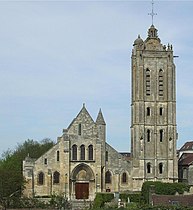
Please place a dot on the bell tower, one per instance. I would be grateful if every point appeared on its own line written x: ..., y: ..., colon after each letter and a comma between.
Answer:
x: 153, y: 108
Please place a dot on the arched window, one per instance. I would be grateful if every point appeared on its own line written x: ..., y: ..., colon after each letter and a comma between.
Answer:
x: 148, y: 82
x: 56, y: 178
x: 124, y: 177
x: 74, y: 152
x: 82, y: 152
x: 160, y: 168
x: 108, y: 177
x: 90, y: 152
x: 161, y: 135
x: 58, y: 156
x: 41, y: 178
x: 148, y: 111
x: 148, y: 168
x: 161, y: 82
x: 148, y: 135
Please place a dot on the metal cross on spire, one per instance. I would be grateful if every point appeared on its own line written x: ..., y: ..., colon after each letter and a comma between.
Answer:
x: 152, y: 12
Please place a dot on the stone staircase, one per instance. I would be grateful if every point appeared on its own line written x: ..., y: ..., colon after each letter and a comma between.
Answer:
x: 80, y: 204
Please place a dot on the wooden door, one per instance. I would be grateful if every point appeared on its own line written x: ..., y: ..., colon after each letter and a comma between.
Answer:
x: 82, y: 190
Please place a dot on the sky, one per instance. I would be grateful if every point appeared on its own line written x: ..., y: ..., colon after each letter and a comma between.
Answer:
x: 57, y: 55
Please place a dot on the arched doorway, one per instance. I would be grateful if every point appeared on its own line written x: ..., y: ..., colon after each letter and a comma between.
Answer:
x: 82, y: 178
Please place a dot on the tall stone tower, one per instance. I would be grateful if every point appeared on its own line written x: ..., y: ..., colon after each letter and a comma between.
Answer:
x: 153, y: 107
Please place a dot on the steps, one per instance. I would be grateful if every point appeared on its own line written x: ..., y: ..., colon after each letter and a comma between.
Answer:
x: 80, y: 204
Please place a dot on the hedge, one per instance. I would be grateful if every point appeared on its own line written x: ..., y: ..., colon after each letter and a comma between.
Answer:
x: 162, y: 189
x: 133, y: 197
x: 101, y: 198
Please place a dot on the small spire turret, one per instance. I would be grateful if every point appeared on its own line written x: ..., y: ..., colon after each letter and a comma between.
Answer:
x: 152, y: 32
x: 100, y: 119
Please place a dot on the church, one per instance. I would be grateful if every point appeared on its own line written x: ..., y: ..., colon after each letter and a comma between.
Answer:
x: 82, y: 163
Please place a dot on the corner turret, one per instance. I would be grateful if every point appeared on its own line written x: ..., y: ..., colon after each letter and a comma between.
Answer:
x: 100, y: 119
x: 138, y: 41
x: 101, y: 126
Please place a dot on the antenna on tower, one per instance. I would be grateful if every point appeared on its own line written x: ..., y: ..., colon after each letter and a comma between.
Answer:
x: 152, y: 11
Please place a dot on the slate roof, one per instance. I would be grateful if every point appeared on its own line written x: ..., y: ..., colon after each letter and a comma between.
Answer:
x: 186, y: 159
x: 187, y: 146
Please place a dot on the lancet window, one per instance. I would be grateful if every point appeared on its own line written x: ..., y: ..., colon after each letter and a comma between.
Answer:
x: 56, y: 177
x: 90, y: 152
x: 108, y: 177
x: 41, y: 178
x: 82, y: 152
x: 74, y: 152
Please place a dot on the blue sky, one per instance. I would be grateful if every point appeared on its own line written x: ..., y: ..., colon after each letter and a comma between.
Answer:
x: 57, y: 55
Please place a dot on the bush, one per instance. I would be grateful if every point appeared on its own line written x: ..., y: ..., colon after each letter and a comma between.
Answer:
x: 133, y: 197
x: 101, y: 198
x: 24, y: 202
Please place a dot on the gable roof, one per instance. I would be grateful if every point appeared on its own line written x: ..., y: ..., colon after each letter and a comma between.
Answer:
x: 187, y: 146
x: 83, y: 110
x: 186, y: 159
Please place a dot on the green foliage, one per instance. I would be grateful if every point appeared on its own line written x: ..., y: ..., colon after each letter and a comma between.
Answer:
x: 58, y: 201
x: 133, y: 197
x: 162, y: 189
x: 147, y: 207
x: 24, y: 202
x: 101, y: 198
x: 133, y: 206
x: 11, y: 177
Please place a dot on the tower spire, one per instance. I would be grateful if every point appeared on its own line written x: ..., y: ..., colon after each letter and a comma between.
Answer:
x: 152, y: 11
x: 100, y: 119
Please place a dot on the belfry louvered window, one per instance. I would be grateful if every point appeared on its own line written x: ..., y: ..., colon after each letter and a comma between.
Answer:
x: 161, y: 83
x: 148, y: 82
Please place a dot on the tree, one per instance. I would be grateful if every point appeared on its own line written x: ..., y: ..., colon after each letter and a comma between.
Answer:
x: 11, y: 177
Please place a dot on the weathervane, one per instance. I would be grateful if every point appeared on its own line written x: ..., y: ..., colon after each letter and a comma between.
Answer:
x: 152, y: 12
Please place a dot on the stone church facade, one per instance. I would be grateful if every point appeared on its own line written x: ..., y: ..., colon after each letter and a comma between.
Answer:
x: 82, y: 163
